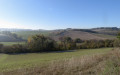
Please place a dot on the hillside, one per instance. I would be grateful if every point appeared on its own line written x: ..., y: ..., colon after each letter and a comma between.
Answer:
x: 84, y: 34
x: 107, y: 30
x: 26, y: 34
x: 9, y: 37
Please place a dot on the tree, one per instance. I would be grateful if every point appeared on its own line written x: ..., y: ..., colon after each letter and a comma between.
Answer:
x: 117, y: 41
x: 118, y: 35
x: 78, y: 40
x: 16, y: 48
x: 1, y: 45
x: 40, y: 43
x: 67, y: 43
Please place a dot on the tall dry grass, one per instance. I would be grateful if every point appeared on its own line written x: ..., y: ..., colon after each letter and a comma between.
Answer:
x: 99, y: 64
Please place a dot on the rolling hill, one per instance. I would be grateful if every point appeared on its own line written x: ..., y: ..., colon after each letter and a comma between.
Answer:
x: 6, y: 38
x: 9, y: 37
x: 84, y: 34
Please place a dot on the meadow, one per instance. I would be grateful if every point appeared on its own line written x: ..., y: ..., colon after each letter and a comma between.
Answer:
x: 26, y: 34
x: 11, y: 43
x: 9, y: 62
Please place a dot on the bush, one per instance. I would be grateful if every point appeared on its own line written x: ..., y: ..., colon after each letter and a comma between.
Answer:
x: 95, y: 44
x: 1, y: 45
x: 40, y: 43
x: 117, y: 43
x: 67, y: 43
x: 16, y: 48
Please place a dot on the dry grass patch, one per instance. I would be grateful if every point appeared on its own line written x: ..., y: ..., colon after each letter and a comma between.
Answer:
x: 99, y: 64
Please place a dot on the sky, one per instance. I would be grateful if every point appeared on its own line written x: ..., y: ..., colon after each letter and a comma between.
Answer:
x: 59, y: 14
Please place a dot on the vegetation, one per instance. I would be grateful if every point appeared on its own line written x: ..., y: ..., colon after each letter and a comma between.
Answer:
x: 83, y: 34
x: 10, y: 62
x: 16, y: 48
x: 118, y: 36
x: 41, y: 43
x: 117, y: 41
x: 95, y: 44
x: 12, y: 43
x: 66, y: 43
x: 12, y: 35
x: 78, y: 40
x: 99, y: 64
x: 6, y: 36
x: 85, y: 30
x: 64, y: 56
x: 26, y: 34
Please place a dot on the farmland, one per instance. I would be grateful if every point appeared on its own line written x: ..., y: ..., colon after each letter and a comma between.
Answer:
x: 59, y: 37
x: 26, y: 34
x: 11, y: 43
x: 18, y: 61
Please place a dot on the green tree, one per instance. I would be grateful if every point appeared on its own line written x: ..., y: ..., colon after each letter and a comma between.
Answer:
x: 67, y: 43
x: 78, y: 40
x: 118, y: 35
x: 117, y: 41
x: 40, y: 43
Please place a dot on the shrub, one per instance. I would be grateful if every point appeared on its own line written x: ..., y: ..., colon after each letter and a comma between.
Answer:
x: 16, y: 48
x: 67, y: 43
x: 39, y: 43
x: 117, y: 43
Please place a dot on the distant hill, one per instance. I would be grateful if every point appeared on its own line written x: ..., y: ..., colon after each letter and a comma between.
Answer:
x: 107, y: 30
x: 26, y: 34
x: 84, y: 34
x: 6, y: 36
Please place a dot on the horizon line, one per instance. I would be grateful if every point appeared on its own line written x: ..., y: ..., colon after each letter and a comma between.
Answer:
x: 56, y: 28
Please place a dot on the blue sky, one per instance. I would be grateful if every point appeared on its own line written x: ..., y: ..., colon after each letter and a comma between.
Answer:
x: 59, y: 14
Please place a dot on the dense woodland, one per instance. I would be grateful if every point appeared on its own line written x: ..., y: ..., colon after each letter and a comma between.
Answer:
x: 41, y: 43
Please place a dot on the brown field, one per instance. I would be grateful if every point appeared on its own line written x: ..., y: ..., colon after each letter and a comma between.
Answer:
x: 81, y: 34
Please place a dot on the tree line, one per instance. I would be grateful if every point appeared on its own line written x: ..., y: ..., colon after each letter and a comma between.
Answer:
x: 41, y: 43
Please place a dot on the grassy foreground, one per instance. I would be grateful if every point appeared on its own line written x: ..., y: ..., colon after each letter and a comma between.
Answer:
x: 19, y: 61
x: 96, y: 64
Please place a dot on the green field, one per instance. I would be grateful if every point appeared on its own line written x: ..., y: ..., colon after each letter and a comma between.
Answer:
x: 11, y: 62
x: 11, y: 43
x: 26, y: 34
